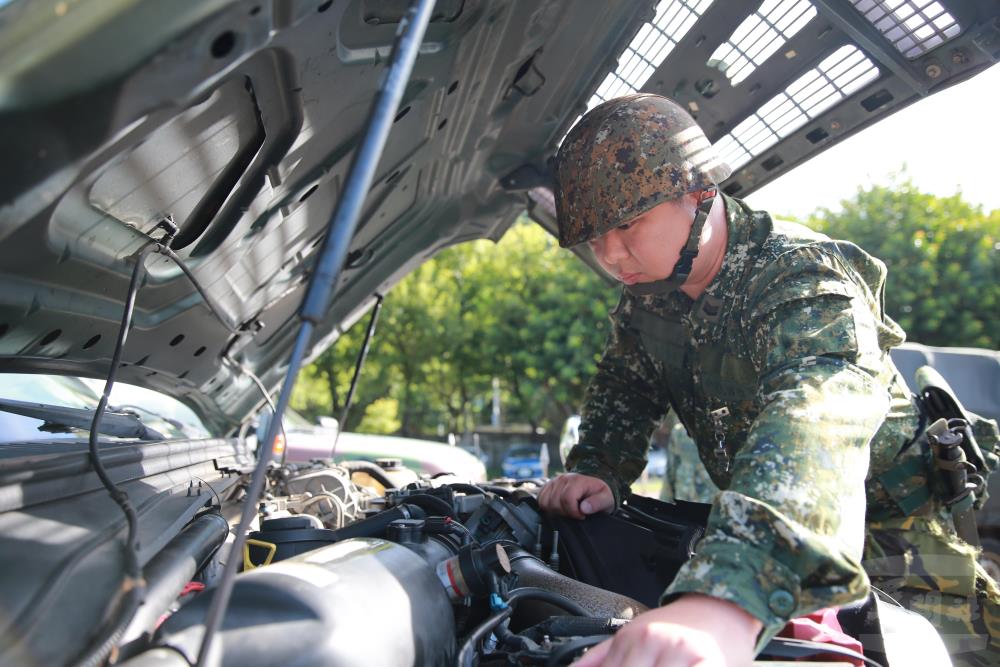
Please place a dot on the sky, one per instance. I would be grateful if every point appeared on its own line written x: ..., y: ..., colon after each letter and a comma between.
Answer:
x: 948, y: 143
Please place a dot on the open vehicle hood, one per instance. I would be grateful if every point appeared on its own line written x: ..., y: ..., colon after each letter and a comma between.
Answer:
x: 237, y: 121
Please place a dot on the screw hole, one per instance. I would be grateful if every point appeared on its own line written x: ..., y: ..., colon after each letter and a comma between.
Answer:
x: 323, y: 6
x: 51, y: 336
x: 255, y: 11
x: 444, y: 121
x: 200, y: 351
x: 92, y: 342
x: 308, y: 193
x: 453, y: 87
x: 177, y: 340
x: 402, y: 112
x: 223, y: 44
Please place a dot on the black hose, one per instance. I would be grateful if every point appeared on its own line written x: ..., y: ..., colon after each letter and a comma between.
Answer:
x: 467, y: 656
x: 532, y: 572
x: 553, y: 598
x: 375, y: 526
x: 169, y: 571
x: 432, y: 504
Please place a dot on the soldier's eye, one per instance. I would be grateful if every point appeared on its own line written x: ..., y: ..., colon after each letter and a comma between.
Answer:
x: 625, y: 226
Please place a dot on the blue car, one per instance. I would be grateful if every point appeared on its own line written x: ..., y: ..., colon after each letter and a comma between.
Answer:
x: 524, y: 462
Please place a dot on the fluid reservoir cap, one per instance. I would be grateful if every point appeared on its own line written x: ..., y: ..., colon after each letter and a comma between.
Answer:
x: 389, y: 464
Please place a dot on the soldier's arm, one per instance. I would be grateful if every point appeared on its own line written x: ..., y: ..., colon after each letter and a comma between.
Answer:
x: 786, y: 538
x: 625, y: 399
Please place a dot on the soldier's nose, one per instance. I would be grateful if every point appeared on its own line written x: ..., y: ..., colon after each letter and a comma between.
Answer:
x: 612, y: 247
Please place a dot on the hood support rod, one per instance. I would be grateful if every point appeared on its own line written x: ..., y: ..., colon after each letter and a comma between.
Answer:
x: 322, y: 282
x: 362, y: 355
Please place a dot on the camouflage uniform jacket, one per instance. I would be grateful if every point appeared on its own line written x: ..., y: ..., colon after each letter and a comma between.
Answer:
x: 784, y: 361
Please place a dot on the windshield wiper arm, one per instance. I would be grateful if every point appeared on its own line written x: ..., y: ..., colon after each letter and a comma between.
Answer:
x: 58, y: 419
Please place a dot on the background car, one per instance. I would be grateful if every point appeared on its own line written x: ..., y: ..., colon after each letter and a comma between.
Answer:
x: 307, y: 441
x: 524, y: 462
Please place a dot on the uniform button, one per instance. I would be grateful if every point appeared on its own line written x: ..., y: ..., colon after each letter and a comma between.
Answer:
x: 781, y: 602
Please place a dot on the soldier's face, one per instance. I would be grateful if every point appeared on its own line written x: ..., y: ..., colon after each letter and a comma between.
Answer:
x: 646, y: 247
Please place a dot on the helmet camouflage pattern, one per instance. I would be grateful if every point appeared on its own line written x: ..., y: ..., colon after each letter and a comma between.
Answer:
x: 626, y: 156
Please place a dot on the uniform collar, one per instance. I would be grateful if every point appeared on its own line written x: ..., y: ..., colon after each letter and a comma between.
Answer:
x: 747, y: 230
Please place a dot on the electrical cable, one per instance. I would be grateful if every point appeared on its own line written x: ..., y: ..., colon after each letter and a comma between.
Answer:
x: 133, y: 586
x: 467, y: 655
x: 267, y: 399
x: 209, y: 301
x: 786, y: 647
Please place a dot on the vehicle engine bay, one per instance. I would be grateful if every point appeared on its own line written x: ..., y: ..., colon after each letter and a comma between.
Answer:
x: 346, y: 564
x: 462, y: 574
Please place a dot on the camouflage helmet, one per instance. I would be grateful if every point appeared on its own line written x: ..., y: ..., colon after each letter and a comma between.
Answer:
x: 626, y: 156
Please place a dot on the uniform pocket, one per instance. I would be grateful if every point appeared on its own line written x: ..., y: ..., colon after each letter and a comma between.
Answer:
x: 727, y: 376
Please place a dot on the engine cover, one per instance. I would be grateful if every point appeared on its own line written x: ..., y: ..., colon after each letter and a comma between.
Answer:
x: 358, y: 602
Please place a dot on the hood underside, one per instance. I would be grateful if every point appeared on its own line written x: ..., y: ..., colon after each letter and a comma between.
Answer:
x: 236, y: 121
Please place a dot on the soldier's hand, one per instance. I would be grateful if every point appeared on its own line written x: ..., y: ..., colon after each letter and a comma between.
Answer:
x: 693, y: 631
x: 575, y: 495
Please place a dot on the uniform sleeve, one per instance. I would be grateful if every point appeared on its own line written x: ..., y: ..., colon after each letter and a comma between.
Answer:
x: 623, y: 404
x: 786, y: 538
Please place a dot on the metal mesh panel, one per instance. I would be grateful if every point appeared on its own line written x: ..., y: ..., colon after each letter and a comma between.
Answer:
x: 650, y: 47
x: 840, y: 74
x: 914, y: 27
x: 759, y: 36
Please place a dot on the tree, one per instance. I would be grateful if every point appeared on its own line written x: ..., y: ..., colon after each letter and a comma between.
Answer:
x: 522, y: 310
x: 943, y: 256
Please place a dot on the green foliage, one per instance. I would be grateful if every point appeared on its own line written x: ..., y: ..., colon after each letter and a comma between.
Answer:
x: 381, y: 416
x: 943, y: 256
x: 522, y: 311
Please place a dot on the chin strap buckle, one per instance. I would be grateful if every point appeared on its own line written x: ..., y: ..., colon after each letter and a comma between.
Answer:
x: 682, y: 269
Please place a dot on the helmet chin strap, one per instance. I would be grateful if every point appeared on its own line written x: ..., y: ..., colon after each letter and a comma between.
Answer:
x: 682, y: 269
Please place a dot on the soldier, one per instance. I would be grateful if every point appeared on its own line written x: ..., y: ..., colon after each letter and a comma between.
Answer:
x: 771, y: 344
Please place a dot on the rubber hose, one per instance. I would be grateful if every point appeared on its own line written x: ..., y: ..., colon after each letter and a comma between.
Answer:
x: 598, y: 602
x: 556, y: 599
x: 430, y: 504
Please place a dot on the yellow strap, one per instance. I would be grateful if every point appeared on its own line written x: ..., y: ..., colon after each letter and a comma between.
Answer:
x: 249, y: 564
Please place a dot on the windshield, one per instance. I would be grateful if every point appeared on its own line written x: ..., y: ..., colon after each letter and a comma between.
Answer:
x: 157, y: 411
